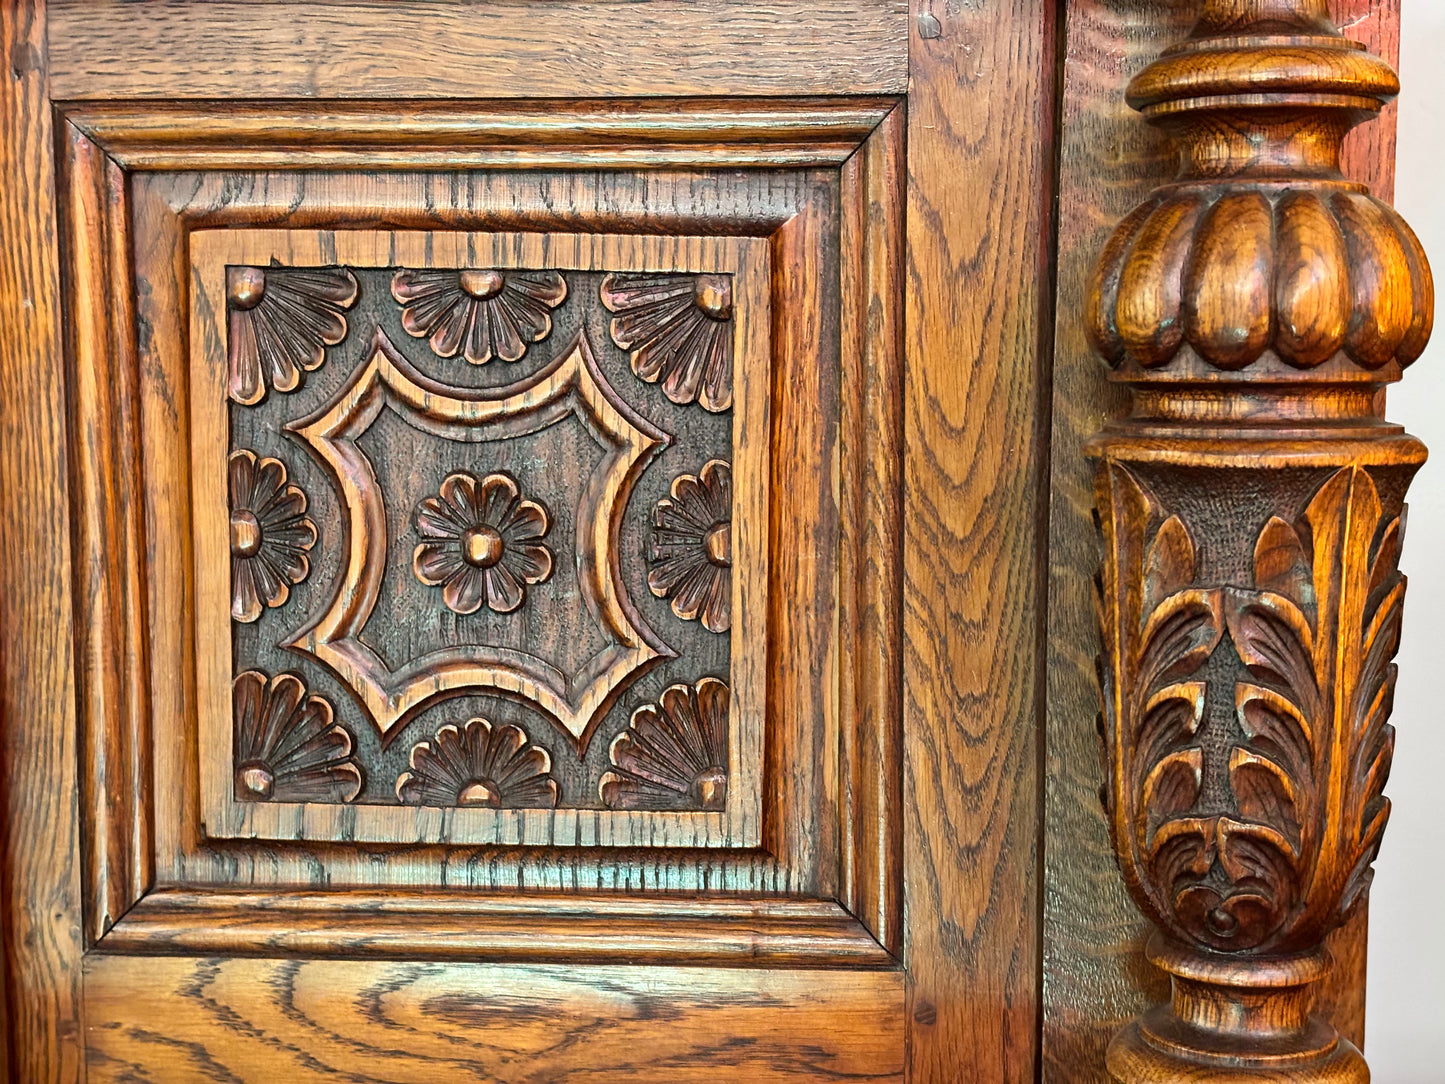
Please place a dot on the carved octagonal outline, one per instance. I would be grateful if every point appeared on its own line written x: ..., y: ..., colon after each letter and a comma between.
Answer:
x: 385, y: 379
x: 570, y: 385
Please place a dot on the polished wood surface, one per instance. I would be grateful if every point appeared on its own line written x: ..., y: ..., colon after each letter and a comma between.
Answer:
x: 39, y: 846
x: 922, y: 885
x: 980, y: 156
x: 186, y: 1019
x: 107, y: 49
x: 1251, y: 513
x: 1097, y: 975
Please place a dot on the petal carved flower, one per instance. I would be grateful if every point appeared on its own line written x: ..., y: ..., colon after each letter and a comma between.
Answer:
x: 281, y: 320
x: 478, y: 313
x: 289, y: 748
x: 481, y: 543
x: 673, y: 754
x: 692, y: 546
x: 479, y: 765
x: 270, y: 534
x: 679, y: 329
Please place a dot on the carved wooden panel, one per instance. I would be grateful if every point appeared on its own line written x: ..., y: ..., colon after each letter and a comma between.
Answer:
x: 467, y: 535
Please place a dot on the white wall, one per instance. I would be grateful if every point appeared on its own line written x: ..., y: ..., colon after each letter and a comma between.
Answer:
x: 1405, y: 1015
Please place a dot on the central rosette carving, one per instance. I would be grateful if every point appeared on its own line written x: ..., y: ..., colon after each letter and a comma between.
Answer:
x: 480, y: 541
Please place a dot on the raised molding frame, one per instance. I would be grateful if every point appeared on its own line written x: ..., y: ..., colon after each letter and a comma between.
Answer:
x: 852, y: 152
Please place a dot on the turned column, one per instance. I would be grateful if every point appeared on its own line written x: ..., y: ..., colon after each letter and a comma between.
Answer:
x: 1251, y: 513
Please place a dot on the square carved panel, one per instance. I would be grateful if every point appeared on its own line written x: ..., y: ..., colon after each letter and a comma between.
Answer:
x: 479, y: 536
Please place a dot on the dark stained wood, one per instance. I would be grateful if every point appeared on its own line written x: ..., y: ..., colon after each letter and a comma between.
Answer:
x: 321, y: 1020
x: 979, y: 158
x: 41, y: 938
x: 109, y: 49
x: 1251, y: 510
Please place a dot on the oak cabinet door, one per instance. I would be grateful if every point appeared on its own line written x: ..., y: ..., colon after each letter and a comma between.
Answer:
x: 504, y: 530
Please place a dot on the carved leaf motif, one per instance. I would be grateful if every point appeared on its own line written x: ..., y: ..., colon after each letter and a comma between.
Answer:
x: 1275, y: 643
x: 1264, y: 794
x: 1178, y: 637
x: 1260, y: 891
x: 1282, y: 567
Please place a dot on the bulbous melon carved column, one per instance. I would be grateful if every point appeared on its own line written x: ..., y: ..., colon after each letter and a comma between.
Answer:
x: 1251, y: 512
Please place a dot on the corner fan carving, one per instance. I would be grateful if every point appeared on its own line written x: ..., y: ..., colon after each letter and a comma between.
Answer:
x: 475, y: 536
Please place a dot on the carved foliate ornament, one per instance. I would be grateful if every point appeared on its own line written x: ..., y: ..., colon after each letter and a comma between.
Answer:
x: 1251, y: 512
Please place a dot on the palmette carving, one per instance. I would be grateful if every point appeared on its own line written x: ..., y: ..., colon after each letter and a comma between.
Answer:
x: 445, y: 576
x: 673, y: 754
x: 1251, y: 507
x: 680, y: 331
x: 280, y: 321
x: 479, y: 764
x: 289, y: 747
x: 691, y: 552
x: 479, y: 313
x: 270, y: 534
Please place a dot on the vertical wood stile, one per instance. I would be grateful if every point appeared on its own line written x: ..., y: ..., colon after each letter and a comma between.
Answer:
x: 41, y: 921
x: 1251, y: 512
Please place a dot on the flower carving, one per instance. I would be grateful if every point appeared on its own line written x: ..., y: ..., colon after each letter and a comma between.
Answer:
x: 280, y: 322
x: 481, y: 543
x: 692, y: 546
x: 479, y: 765
x: 679, y: 330
x: 673, y: 754
x: 478, y: 313
x: 270, y: 534
x: 289, y: 748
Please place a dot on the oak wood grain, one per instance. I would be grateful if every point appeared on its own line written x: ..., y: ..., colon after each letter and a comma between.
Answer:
x: 40, y: 921
x: 1282, y: 432
x: 979, y: 178
x: 870, y: 559
x: 799, y: 853
x: 264, y: 1020
x: 589, y: 133
x: 1095, y: 973
x: 575, y: 928
x: 108, y: 533
x: 109, y: 49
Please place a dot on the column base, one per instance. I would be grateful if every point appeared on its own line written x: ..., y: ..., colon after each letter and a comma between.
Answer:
x: 1232, y: 1019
